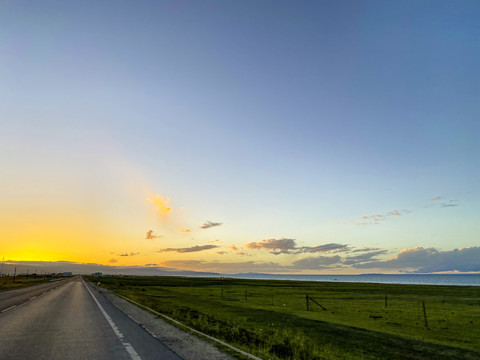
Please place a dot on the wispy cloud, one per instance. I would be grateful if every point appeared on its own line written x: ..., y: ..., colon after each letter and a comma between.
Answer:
x: 210, y: 224
x: 435, y: 202
x: 129, y: 254
x: 428, y: 260
x: 112, y: 261
x: 162, y: 206
x: 359, y: 259
x: 195, y: 248
x: 151, y: 235
x: 365, y: 249
x: 451, y: 203
x: 331, y: 247
x: 376, y: 219
x: 184, y: 230
x: 215, y: 241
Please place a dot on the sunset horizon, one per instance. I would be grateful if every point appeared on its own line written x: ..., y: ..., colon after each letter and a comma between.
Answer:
x: 269, y: 137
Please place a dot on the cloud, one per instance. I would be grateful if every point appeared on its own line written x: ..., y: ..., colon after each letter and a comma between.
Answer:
x: 151, y: 265
x: 210, y: 224
x: 242, y: 253
x: 309, y: 263
x: 451, y: 203
x: 151, y: 235
x: 369, y: 256
x: 325, y: 248
x: 189, y: 249
x: 280, y: 246
x: 365, y: 249
x: 289, y: 246
x: 161, y: 205
x: 428, y: 260
x: 184, y: 230
x: 375, y: 219
x: 227, y: 267
x: 127, y: 254
x: 112, y: 261
x: 221, y: 252
x: 315, y: 263
x: 435, y: 203
x: 215, y: 241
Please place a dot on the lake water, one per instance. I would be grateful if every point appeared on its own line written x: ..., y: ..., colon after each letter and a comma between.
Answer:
x: 421, y: 279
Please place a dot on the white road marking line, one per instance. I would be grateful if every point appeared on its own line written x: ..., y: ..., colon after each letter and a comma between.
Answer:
x: 131, y: 351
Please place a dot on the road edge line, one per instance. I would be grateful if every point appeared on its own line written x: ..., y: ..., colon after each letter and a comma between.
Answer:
x: 131, y: 351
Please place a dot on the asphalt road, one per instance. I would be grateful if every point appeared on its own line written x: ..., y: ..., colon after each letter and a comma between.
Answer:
x: 71, y: 321
x: 16, y: 297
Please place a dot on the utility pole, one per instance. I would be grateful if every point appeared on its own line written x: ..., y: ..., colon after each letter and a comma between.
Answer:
x: 1, y: 271
x: 14, y: 274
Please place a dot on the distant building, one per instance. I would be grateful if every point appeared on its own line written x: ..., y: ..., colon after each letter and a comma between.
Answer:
x: 67, y: 273
x: 99, y: 274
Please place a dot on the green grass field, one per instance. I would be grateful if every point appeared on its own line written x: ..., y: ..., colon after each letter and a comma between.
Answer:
x: 269, y: 318
x: 6, y: 282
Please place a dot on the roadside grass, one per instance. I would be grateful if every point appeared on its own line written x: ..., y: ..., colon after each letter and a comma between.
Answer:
x: 6, y: 282
x: 269, y: 317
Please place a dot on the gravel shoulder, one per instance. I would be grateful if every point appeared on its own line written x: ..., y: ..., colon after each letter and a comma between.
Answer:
x: 186, y: 345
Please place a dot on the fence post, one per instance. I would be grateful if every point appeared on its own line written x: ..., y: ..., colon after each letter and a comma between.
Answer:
x: 425, y: 314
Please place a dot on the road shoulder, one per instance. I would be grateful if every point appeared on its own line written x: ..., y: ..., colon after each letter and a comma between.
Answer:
x: 186, y: 345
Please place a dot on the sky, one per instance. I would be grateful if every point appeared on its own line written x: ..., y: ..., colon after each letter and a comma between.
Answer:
x: 303, y: 137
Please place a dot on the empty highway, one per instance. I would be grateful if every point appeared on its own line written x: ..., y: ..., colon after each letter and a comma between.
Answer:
x: 71, y: 320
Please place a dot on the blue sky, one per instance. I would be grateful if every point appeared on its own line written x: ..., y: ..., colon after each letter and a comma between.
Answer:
x: 278, y: 119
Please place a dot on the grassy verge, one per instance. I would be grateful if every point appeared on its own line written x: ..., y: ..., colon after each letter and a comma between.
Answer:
x: 6, y: 282
x: 361, y: 321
